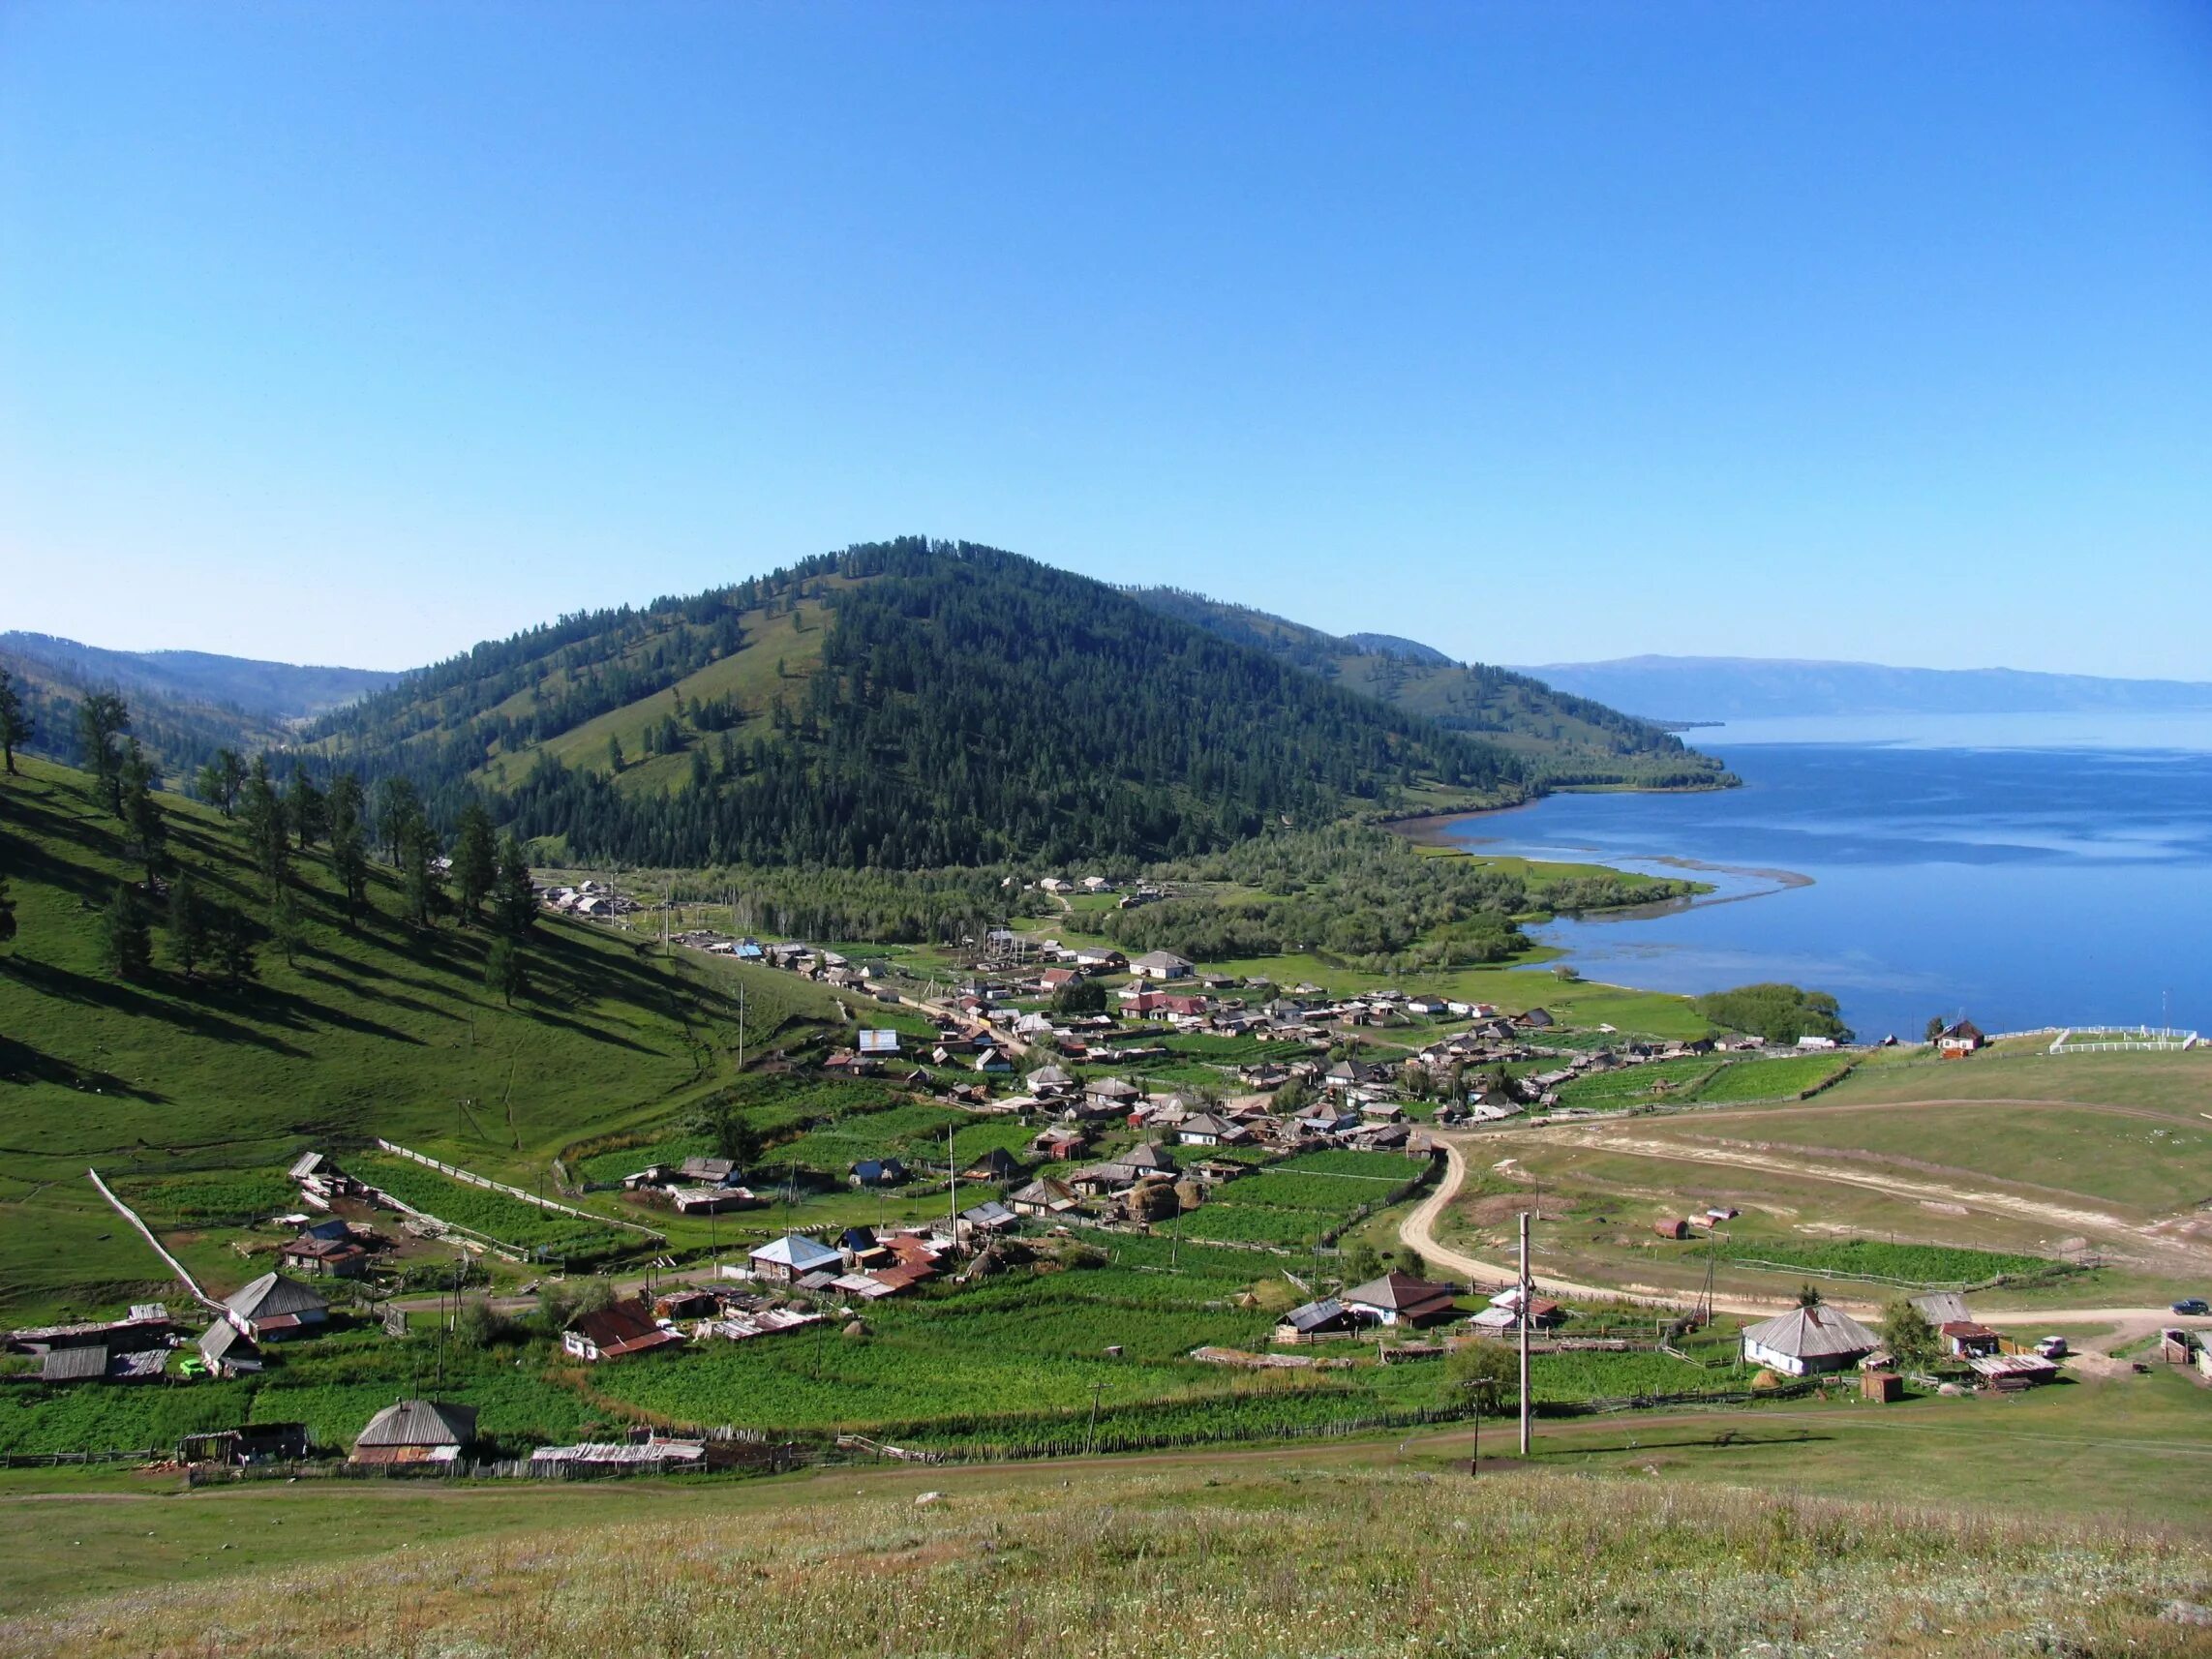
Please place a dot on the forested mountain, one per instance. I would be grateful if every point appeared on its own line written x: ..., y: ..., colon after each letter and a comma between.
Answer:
x: 185, y: 705
x: 1393, y: 644
x: 1559, y: 738
x: 905, y: 704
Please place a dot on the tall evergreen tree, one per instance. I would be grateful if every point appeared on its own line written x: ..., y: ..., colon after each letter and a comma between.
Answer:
x: 475, y: 860
x: 306, y: 807
x: 188, y: 923
x: 504, y: 971
x: 398, y: 810
x: 514, y: 903
x: 100, y: 718
x: 15, y: 720
x: 128, y: 943
x: 424, y: 882
x: 145, y: 833
x: 348, y: 846
x: 285, y: 931
x: 262, y: 811
x: 7, y: 911
x: 221, y: 779
x: 230, y: 939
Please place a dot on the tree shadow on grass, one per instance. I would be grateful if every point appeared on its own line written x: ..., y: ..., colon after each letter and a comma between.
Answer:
x: 88, y: 992
x: 298, y: 1013
x: 20, y: 1063
x: 340, y: 983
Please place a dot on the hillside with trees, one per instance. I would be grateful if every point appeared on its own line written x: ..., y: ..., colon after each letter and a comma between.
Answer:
x: 905, y: 704
x: 187, y: 990
x: 1558, y: 739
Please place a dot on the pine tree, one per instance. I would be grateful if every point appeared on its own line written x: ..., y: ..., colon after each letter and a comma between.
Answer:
x: 129, y: 940
x: 231, y: 938
x: 100, y: 718
x: 15, y: 720
x: 614, y: 753
x: 285, y: 931
x: 145, y: 833
x: 420, y: 874
x: 514, y: 902
x: 348, y: 848
x: 219, y: 781
x: 398, y: 809
x: 263, y: 814
x: 475, y: 860
x: 7, y: 912
x: 188, y: 925
x: 504, y: 971
x: 306, y: 807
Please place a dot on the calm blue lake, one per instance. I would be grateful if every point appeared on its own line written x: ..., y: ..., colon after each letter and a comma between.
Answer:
x: 2021, y: 870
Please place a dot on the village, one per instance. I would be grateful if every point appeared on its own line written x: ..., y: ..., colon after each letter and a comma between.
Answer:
x: 1046, y: 1145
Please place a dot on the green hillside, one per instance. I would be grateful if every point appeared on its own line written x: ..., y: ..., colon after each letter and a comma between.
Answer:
x: 384, y: 1029
x: 1558, y: 739
x: 902, y: 703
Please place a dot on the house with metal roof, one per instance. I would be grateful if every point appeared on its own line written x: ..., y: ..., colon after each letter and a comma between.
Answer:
x: 1807, y: 1341
x: 1161, y: 965
x: 227, y: 1350
x: 417, y: 1432
x: 1210, y: 1129
x: 1399, y: 1299
x: 616, y: 1331
x: 1328, y: 1316
x: 274, y: 1306
x: 792, y: 1257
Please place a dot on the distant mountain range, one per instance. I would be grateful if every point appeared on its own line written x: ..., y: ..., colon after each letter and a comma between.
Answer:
x: 1690, y: 688
x: 184, y: 705
x: 271, y: 690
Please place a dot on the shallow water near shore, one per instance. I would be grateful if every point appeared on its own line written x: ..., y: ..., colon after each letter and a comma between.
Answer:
x: 2021, y: 870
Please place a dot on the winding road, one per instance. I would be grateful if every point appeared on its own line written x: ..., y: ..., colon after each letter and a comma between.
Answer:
x: 1418, y: 1232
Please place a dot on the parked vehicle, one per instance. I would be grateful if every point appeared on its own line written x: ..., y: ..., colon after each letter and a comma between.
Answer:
x: 2052, y: 1347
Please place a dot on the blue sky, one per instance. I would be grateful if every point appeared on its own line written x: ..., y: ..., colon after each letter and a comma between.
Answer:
x: 1540, y: 332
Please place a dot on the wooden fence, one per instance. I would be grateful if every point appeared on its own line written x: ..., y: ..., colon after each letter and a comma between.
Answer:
x: 471, y: 1178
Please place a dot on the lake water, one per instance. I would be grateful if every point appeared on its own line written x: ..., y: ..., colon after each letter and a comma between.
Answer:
x: 2023, y: 870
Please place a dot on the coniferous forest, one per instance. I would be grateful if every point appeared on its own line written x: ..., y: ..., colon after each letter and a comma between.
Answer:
x: 967, y: 706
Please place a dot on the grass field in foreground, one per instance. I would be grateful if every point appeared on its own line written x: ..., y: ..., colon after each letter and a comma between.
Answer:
x: 1291, y: 1556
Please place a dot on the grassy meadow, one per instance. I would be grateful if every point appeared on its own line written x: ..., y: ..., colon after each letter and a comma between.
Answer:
x: 1296, y: 1555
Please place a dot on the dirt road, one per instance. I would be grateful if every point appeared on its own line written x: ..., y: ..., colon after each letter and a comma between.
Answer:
x: 1418, y: 1230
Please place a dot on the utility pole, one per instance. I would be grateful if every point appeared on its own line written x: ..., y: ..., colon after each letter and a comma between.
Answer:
x: 1091, y: 1439
x: 952, y: 1185
x: 1526, y: 1322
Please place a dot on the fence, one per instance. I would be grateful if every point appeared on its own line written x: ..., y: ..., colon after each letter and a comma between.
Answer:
x: 2056, y: 1271
x: 52, y: 1460
x: 471, y: 1178
x: 2113, y: 1040
x: 145, y: 1232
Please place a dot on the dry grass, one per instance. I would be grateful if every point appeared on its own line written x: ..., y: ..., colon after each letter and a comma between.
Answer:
x: 1247, y: 1564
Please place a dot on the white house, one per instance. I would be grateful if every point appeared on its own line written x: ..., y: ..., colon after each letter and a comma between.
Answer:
x: 1806, y: 1341
x: 1161, y: 965
x: 792, y: 1257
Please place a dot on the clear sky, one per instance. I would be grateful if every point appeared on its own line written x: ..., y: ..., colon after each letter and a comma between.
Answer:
x: 1540, y: 332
